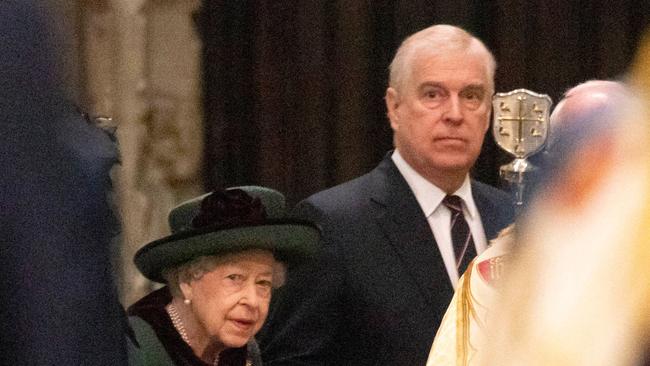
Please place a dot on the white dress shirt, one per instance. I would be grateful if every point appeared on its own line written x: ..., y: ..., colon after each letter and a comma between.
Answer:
x: 439, y: 217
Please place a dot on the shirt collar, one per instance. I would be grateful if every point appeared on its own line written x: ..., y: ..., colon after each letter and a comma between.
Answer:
x: 427, y: 194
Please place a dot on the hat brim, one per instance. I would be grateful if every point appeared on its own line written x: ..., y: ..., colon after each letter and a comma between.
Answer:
x: 291, y: 241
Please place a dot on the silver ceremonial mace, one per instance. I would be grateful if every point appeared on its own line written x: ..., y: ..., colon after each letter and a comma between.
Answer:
x: 520, y: 127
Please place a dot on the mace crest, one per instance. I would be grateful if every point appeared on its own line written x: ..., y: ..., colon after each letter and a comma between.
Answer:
x: 520, y: 127
x: 521, y: 121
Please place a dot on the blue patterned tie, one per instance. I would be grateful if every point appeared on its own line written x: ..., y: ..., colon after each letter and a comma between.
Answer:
x: 461, y: 236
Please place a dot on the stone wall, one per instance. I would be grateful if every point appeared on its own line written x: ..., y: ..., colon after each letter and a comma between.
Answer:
x: 138, y: 62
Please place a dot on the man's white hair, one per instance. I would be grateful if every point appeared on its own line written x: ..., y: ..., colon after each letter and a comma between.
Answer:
x: 435, y: 40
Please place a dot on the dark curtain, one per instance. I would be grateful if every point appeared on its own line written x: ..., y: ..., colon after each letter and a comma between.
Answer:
x: 294, y: 90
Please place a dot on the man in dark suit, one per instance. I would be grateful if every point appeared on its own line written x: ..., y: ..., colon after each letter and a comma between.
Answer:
x: 388, y: 266
x: 58, y: 302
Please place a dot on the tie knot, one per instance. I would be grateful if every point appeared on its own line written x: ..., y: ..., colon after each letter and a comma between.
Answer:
x: 453, y: 203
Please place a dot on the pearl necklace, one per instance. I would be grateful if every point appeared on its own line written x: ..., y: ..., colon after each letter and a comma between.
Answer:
x: 178, y: 324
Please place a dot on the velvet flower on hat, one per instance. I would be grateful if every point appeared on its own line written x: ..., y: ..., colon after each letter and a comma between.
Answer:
x: 230, y: 208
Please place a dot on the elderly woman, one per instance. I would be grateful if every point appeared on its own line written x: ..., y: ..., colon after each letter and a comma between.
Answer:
x: 227, y: 251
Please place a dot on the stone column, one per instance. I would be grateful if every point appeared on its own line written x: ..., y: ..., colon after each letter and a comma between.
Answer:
x: 141, y: 66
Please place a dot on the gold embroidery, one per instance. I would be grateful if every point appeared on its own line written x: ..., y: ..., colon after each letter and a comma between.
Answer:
x: 465, y: 309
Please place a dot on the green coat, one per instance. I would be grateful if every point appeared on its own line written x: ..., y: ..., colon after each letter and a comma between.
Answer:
x: 152, y: 353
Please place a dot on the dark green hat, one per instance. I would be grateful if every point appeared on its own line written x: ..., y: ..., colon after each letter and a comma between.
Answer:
x: 226, y: 221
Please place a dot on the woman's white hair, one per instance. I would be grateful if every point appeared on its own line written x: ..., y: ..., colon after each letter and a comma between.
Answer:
x: 196, y: 268
x: 435, y: 40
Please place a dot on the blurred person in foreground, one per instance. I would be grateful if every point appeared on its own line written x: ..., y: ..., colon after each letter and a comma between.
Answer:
x: 388, y: 266
x: 58, y: 300
x: 578, y: 292
x: 576, y: 121
x: 226, y: 254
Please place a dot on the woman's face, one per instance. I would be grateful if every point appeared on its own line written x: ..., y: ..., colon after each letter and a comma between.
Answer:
x: 231, y: 302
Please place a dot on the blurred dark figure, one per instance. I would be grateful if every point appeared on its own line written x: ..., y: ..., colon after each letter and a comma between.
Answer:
x: 58, y: 304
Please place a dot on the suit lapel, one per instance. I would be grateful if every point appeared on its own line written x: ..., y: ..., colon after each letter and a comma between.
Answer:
x: 488, y: 210
x: 400, y: 217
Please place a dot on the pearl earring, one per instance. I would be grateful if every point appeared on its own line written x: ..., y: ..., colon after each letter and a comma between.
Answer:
x: 187, y: 301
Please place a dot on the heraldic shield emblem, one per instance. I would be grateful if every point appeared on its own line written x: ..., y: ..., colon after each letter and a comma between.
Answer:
x: 521, y: 121
x: 520, y: 127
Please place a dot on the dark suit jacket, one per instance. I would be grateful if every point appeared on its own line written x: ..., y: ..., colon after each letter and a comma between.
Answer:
x: 58, y: 301
x: 378, y: 291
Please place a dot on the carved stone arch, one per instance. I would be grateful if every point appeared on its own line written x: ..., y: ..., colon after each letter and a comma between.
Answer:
x: 140, y: 65
x: 98, y: 59
x: 148, y: 5
x: 97, y: 5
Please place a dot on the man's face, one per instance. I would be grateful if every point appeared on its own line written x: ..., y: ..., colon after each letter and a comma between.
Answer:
x: 441, y: 113
x: 231, y: 302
